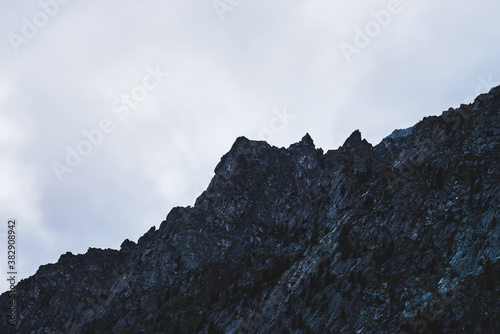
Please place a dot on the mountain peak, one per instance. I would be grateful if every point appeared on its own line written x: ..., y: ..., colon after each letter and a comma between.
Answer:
x: 353, y: 140
x: 319, y: 243
x: 307, y: 141
x: 355, y: 143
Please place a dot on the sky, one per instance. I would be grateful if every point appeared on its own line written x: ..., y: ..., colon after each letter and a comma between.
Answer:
x: 112, y: 113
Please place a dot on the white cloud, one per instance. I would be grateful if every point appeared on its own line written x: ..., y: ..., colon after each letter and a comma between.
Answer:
x: 226, y: 77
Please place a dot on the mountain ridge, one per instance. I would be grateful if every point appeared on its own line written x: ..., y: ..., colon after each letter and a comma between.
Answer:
x: 298, y: 240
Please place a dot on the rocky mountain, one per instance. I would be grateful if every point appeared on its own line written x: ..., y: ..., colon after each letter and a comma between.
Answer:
x: 401, y: 237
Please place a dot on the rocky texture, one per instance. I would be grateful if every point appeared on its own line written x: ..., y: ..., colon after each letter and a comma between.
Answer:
x: 402, y: 237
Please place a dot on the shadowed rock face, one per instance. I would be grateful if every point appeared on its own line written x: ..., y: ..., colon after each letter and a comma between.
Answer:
x: 402, y: 237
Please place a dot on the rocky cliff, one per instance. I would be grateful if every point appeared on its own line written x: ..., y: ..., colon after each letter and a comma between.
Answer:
x: 402, y: 237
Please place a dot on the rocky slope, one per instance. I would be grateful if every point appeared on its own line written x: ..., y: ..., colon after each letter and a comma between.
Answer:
x: 402, y: 237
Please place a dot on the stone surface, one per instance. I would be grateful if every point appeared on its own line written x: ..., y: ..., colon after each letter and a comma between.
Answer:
x: 402, y: 237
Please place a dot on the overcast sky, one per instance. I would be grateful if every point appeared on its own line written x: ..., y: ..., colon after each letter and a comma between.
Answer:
x: 163, y: 89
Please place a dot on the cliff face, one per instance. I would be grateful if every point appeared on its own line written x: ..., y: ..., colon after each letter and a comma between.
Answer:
x: 402, y: 237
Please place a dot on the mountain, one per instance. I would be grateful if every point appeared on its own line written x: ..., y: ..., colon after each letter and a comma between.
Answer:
x: 401, y: 237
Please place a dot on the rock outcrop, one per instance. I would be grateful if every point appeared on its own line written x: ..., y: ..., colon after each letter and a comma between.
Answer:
x: 402, y: 237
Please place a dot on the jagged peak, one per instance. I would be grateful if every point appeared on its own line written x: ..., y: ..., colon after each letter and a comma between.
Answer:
x: 355, y: 140
x: 276, y: 223
x: 241, y: 147
x: 127, y: 245
x: 305, y: 142
x: 240, y: 143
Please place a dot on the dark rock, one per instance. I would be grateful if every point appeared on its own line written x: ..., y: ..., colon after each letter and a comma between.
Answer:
x: 397, y: 238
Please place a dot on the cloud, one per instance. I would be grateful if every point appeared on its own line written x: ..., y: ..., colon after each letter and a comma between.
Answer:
x: 226, y: 79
